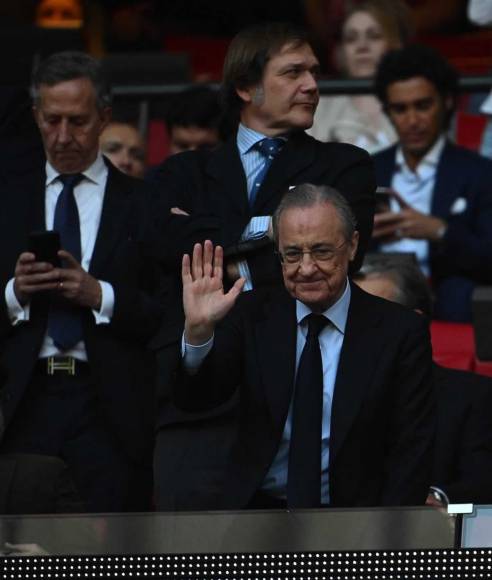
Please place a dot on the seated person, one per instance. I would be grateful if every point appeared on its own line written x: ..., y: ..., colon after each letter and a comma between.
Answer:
x: 193, y: 120
x: 369, y: 29
x: 441, y: 208
x: 335, y: 395
x: 462, y: 469
x: 124, y: 147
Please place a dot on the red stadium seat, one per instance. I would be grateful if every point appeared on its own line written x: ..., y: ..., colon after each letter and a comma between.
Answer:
x: 453, y: 345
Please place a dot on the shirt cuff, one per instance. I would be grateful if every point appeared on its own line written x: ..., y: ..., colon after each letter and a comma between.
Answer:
x: 257, y: 228
x: 441, y: 492
x: 193, y: 355
x: 105, y: 313
x: 244, y: 272
x: 17, y: 313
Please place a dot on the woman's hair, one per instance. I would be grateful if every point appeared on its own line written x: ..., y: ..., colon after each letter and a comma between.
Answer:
x: 392, y: 15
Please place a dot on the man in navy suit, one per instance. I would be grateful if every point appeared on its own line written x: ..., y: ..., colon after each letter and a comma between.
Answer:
x: 230, y: 193
x: 441, y: 199
x: 369, y: 434
x: 73, y: 334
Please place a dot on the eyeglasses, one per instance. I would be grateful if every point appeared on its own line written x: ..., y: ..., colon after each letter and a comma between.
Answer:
x: 324, y: 254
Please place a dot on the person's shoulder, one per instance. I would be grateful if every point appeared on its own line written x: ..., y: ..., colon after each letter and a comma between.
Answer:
x: 399, y: 317
x: 473, y: 165
x: 333, y: 150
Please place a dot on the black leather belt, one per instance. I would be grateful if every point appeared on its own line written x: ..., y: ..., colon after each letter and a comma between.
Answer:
x: 65, y: 365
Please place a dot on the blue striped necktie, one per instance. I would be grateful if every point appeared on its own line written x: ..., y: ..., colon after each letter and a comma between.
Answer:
x: 269, y: 148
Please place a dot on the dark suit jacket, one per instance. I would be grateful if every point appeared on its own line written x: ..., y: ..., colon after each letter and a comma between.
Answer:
x: 120, y: 362
x: 463, y: 454
x: 211, y: 186
x: 382, y: 416
x: 36, y: 484
x: 464, y: 256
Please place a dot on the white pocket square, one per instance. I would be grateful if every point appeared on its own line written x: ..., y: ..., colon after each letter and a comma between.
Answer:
x: 459, y: 206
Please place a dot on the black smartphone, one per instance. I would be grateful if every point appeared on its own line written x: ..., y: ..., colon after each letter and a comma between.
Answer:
x: 45, y: 245
x: 383, y: 196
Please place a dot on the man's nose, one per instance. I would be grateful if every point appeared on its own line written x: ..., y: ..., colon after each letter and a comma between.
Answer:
x: 307, y: 265
x: 64, y: 133
x: 310, y: 82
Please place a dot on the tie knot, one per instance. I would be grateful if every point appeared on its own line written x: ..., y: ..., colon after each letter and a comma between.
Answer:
x: 269, y: 147
x: 316, y: 323
x: 70, y: 179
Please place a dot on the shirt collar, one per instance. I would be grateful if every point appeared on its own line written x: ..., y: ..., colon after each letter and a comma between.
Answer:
x: 337, y: 313
x: 247, y: 138
x: 94, y: 172
x: 431, y: 159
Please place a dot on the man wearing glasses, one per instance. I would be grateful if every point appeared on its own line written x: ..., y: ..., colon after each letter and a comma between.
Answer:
x: 335, y: 398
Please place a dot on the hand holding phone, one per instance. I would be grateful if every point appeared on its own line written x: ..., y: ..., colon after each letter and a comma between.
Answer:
x: 45, y: 245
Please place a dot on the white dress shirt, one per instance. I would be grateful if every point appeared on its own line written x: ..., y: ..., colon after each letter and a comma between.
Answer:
x: 89, y: 196
x: 416, y: 188
x: 331, y: 341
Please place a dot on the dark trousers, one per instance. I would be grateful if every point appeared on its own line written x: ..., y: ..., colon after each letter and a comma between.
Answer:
x: 60, y: 416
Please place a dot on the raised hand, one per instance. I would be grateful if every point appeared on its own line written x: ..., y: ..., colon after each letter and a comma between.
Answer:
x: 204, y: 300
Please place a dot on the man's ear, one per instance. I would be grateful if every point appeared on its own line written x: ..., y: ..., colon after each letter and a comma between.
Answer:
x: 448, y: 103
x: 354, y: 244
x: 246, y: 94
x: 105, y: 115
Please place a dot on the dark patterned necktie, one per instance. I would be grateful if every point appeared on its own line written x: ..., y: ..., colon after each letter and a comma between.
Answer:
x: 65, y: 321
x: 304, y: 475
x: 269, y: 148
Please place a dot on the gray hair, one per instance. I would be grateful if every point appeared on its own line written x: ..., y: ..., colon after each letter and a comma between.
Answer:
x: 411, y: 287
x: 308, y: 195
x: 68, y: 66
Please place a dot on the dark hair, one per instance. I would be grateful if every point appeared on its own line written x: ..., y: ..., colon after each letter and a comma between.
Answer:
x: 198, y: 106
x: 248, y: 54
x: 309, y: 195
x: 411, y: 286
x: 412, y: 61
x: 68, y: 66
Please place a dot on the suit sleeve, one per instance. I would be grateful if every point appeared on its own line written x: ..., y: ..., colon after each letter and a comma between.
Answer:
x: 467, y: 245
x: 221, y: 372
x: 469, y: 478
x: 410, y: 439
x: 179, y: 183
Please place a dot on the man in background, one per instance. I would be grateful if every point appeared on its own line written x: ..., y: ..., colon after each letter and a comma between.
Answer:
x: 193, y: 120
x: 74, y: 323
x: 230, y: 193
x: 441, y: 202
x: 125, y: 147
x: 462, y: 470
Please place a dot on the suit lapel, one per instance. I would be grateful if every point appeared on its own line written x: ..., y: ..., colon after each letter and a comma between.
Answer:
x: 37, y: 194
x: 276, y: 338
x: 225, y: 167
x: 114, y: 211
x: 357, y: 357
x: 448, y: 182
x: 297, y: 154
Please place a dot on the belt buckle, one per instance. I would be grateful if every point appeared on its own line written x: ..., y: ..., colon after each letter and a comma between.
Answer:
x: 66, y: 364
